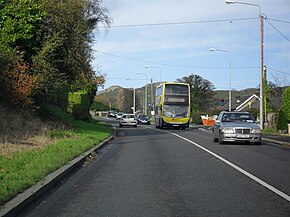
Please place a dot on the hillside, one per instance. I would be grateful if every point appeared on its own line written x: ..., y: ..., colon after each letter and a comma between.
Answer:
x: 117, y: 96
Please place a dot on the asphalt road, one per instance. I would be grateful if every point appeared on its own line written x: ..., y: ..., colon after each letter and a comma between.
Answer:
x: 149, y: 172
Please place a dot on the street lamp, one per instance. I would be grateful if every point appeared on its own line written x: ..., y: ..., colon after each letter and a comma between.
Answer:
x: 261, y: 53
x: 134, y: 101
x: 145, y: 90
x: 134, y: 98
x: 146, y: 66
x: 230, y: 75
x: 243, y: 3
x: 143, y: 100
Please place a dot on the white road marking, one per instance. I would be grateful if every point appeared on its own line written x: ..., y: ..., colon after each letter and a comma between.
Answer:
x: 256, y: 179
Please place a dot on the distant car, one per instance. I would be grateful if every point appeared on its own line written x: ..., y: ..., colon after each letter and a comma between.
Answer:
x: 128, y: 120
x: 236, y: 127
x: 112, y: 114
x: 143, y: 119
x: 119, y: 115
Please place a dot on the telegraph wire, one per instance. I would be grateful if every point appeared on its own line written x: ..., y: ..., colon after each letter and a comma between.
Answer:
x: 183, y: 22
x: 277, y: 30
x: 281, y: 21
x: 172, y: 65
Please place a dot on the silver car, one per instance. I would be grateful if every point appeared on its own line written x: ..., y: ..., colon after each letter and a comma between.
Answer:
x: 236, y: 127
x: 119, y: 115
x: 128, y: 120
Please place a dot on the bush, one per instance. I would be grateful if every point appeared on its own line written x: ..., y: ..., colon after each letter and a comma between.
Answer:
x: 17, y: 85
x: 99, y: 106
x: 281, y: 121
x: 286, y: 104
x: 195, y: 117
x: 270, y: 131
x: 78, y: 105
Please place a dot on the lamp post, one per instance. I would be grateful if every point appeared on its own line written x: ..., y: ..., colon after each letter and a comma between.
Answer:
x: 134, y: 101
x: 146, y: 66
x: 145, y: 90
x: 134, y: 98
x: 261, y: 54
x: 143, y: 100
x: 230, y: 74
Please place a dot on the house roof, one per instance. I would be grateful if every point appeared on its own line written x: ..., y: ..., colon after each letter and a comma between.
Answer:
x: 248, y: 101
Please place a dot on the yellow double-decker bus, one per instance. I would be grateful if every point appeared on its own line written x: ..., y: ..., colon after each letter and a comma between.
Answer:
x: 172, y: 105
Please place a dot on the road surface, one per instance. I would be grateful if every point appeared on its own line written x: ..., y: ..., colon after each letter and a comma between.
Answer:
x: 151, y: 172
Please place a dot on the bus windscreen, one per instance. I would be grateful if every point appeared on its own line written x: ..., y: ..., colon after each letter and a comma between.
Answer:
x: 176, y: 89
x: 176, y: 111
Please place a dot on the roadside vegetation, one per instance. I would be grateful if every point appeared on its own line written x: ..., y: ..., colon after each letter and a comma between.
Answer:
x: 31, y: 157
x: 47, y: 85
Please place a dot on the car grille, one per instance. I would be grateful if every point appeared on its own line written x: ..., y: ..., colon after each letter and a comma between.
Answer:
x: 243, y: 131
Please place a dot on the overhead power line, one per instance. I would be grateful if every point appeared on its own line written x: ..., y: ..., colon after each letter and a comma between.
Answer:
x: 277, y: 20
x: 185, y: 66
x: 184, y: 22
x: 277, y: 30
x: 173, y: 65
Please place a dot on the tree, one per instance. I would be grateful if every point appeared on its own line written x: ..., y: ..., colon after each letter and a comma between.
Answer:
x: 64, y: 60
x: 284, y: 112
x: 68, y: 30
x: 286, y: 104
x: 281, y: 121
x: 53, y: 40
x: 125, y: 100
x: 266, y: 92
x: 201, y: 92
x: 20, y: 24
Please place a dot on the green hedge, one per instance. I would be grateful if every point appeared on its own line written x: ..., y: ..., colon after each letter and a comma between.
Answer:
x: 284, y: 113
x: 286, y: 104
x: 79, y: 105
x: 281, y: 121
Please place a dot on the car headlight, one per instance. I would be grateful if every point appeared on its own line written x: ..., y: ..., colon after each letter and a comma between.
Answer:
x: 256, y: 130
x: 228, y: 130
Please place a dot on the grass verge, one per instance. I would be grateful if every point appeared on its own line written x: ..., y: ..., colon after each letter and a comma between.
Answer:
x: 27, y: 167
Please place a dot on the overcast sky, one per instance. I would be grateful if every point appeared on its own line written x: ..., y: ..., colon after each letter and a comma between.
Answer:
x: 183, y: 46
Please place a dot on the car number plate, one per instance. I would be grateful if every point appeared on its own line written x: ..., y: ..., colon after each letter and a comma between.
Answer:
x: 243, y: 136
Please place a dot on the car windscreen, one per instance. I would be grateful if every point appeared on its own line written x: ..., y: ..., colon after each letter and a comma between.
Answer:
x: 237, y: 117
x: 128, y: 116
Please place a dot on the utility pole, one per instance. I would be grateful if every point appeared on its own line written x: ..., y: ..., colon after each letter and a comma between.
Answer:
x: 152, y: 98
x: 261, y: 54
x: 146, y: 96
x: 134, y: 101
x: 261, y: 70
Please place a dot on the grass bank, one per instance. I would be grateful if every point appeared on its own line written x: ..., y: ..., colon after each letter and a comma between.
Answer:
x: 24, y: 168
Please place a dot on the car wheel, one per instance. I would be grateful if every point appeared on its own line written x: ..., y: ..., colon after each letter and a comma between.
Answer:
x: 120, y: 125
x: 135, y: 126
x: 220, y: 140
x: 214, y: 139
